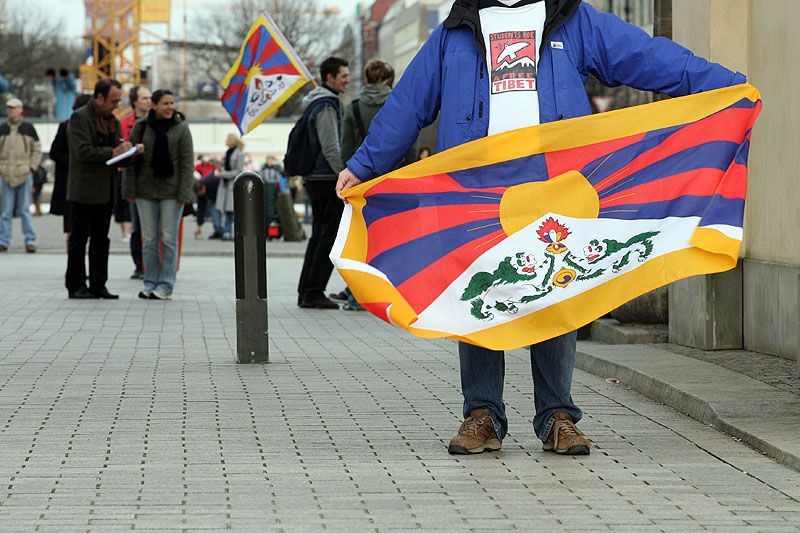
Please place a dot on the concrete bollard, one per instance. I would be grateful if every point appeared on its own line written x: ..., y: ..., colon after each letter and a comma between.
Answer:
x: 252, y: 334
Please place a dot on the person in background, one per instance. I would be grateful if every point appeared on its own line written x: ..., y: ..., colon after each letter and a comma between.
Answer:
x: 250, y: 165
x: 272, y: 172
x: 206, y: 191
x: 232, y: 166
x: 20, y: 156
x: 160, y: 183
x: 140, y: 99
x: 425, y: 151
x: 204, y: 165
x: 324, y: 118
x: 59, y: 152
x: 65, y: 90
x: 39, y: 181
x: 357, y: 118
x: 93, y: 135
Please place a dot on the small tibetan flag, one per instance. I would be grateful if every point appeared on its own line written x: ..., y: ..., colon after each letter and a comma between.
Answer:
x: 522, y: 236
x: 267, y: 72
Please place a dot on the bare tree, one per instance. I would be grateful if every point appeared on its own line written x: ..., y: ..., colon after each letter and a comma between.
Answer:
x: 313, y: 32
x: 34, y: 44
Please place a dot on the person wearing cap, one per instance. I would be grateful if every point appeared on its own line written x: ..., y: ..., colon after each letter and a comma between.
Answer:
x: 20, y: 155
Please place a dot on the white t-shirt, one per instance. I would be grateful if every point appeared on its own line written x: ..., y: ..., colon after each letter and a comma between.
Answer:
x: 513, y: 36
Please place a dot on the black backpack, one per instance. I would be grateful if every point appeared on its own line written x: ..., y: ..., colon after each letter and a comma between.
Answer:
x: 301, y: 152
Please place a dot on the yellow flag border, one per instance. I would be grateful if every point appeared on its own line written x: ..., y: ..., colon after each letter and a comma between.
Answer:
x: 710, y: 250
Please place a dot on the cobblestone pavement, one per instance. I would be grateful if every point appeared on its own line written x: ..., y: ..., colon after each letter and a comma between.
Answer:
x: 131, y: 414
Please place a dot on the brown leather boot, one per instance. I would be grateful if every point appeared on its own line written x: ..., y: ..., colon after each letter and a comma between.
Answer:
x: 475, y: 435
x: 565, y: 438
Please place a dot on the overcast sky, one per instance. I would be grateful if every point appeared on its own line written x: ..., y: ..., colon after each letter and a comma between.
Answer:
x: 72, y: 12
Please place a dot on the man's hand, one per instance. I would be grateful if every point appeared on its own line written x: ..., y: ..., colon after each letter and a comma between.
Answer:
x: 346, y: 180
x: 140, y: 148
x: 121, y: 148
x: 198, y: 232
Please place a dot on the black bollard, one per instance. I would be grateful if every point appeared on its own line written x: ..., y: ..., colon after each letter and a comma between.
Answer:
x: 252, y: 336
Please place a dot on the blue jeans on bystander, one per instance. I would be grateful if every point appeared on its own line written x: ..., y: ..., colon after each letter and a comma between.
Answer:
x: 159, y: 220
x: 17, y: 198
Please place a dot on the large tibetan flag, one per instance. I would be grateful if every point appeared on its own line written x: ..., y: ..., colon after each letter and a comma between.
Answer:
x: 266, y: 73
x: 518, y: 237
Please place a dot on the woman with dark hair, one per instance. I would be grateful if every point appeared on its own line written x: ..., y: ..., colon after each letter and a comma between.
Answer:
x: 160, y: 184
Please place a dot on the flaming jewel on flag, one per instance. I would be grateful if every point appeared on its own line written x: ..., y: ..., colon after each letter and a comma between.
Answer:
x: 266, y: 73
x: 518, y: 237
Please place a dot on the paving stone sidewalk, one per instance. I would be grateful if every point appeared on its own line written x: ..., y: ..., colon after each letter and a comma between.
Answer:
x: 131, y: 414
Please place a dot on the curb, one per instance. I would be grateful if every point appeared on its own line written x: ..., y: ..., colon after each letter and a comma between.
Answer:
x: 682, y: 401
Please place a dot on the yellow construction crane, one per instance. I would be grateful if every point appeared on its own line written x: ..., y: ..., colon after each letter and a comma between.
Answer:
x: 113, y: 34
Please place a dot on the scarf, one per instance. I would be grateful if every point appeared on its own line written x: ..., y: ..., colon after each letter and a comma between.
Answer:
x: 228, y: 158
x: 161, y: 163
x: 106, y: 124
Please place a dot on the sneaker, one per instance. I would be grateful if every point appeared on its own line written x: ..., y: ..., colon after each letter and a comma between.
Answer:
x: 215, y: 235
x: 160, y: 295
x: 3, y: 248
x: 126, y: 238
x: 475, y: 435
x: 565, y: 438
x: 30, y: 248
x: 137, y: 274
x: 145, y: 294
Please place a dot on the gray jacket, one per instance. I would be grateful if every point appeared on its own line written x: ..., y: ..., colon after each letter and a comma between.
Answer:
x: 327, y: 128
x: 138, y: 181
x: 225, y: 190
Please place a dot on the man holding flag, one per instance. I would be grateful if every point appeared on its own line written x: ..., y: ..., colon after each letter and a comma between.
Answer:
x: 526, y: 61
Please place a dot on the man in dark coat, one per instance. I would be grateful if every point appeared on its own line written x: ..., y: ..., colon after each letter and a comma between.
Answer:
x: 93, y: 135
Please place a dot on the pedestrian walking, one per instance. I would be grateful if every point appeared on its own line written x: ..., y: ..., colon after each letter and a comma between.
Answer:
x: 493, y: 66
x: 93, y: 136
x: 160, y: 183
x: 140, y: 99
x: 20, y: 157
x: 232, y: 166
x: 324, y: 119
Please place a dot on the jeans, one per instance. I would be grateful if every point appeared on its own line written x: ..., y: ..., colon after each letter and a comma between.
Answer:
x: 227, y: 229
x: 317, y: 266
x: 216, y: 218
x: 159, y: 220
x: 483, y: 371
x: 18, y: 198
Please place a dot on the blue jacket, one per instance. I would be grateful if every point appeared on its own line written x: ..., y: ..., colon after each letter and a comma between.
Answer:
x: 448, y: 77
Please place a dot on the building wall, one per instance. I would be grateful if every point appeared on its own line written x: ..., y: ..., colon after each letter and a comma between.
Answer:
x: 758, y: 38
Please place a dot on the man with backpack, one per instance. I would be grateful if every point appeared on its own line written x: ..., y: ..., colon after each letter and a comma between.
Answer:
x: 318, y: 132
x: 357, y: 117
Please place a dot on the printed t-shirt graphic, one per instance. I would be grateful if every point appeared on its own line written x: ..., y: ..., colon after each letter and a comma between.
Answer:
x: 512, y: 36
x: 513, y: 61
